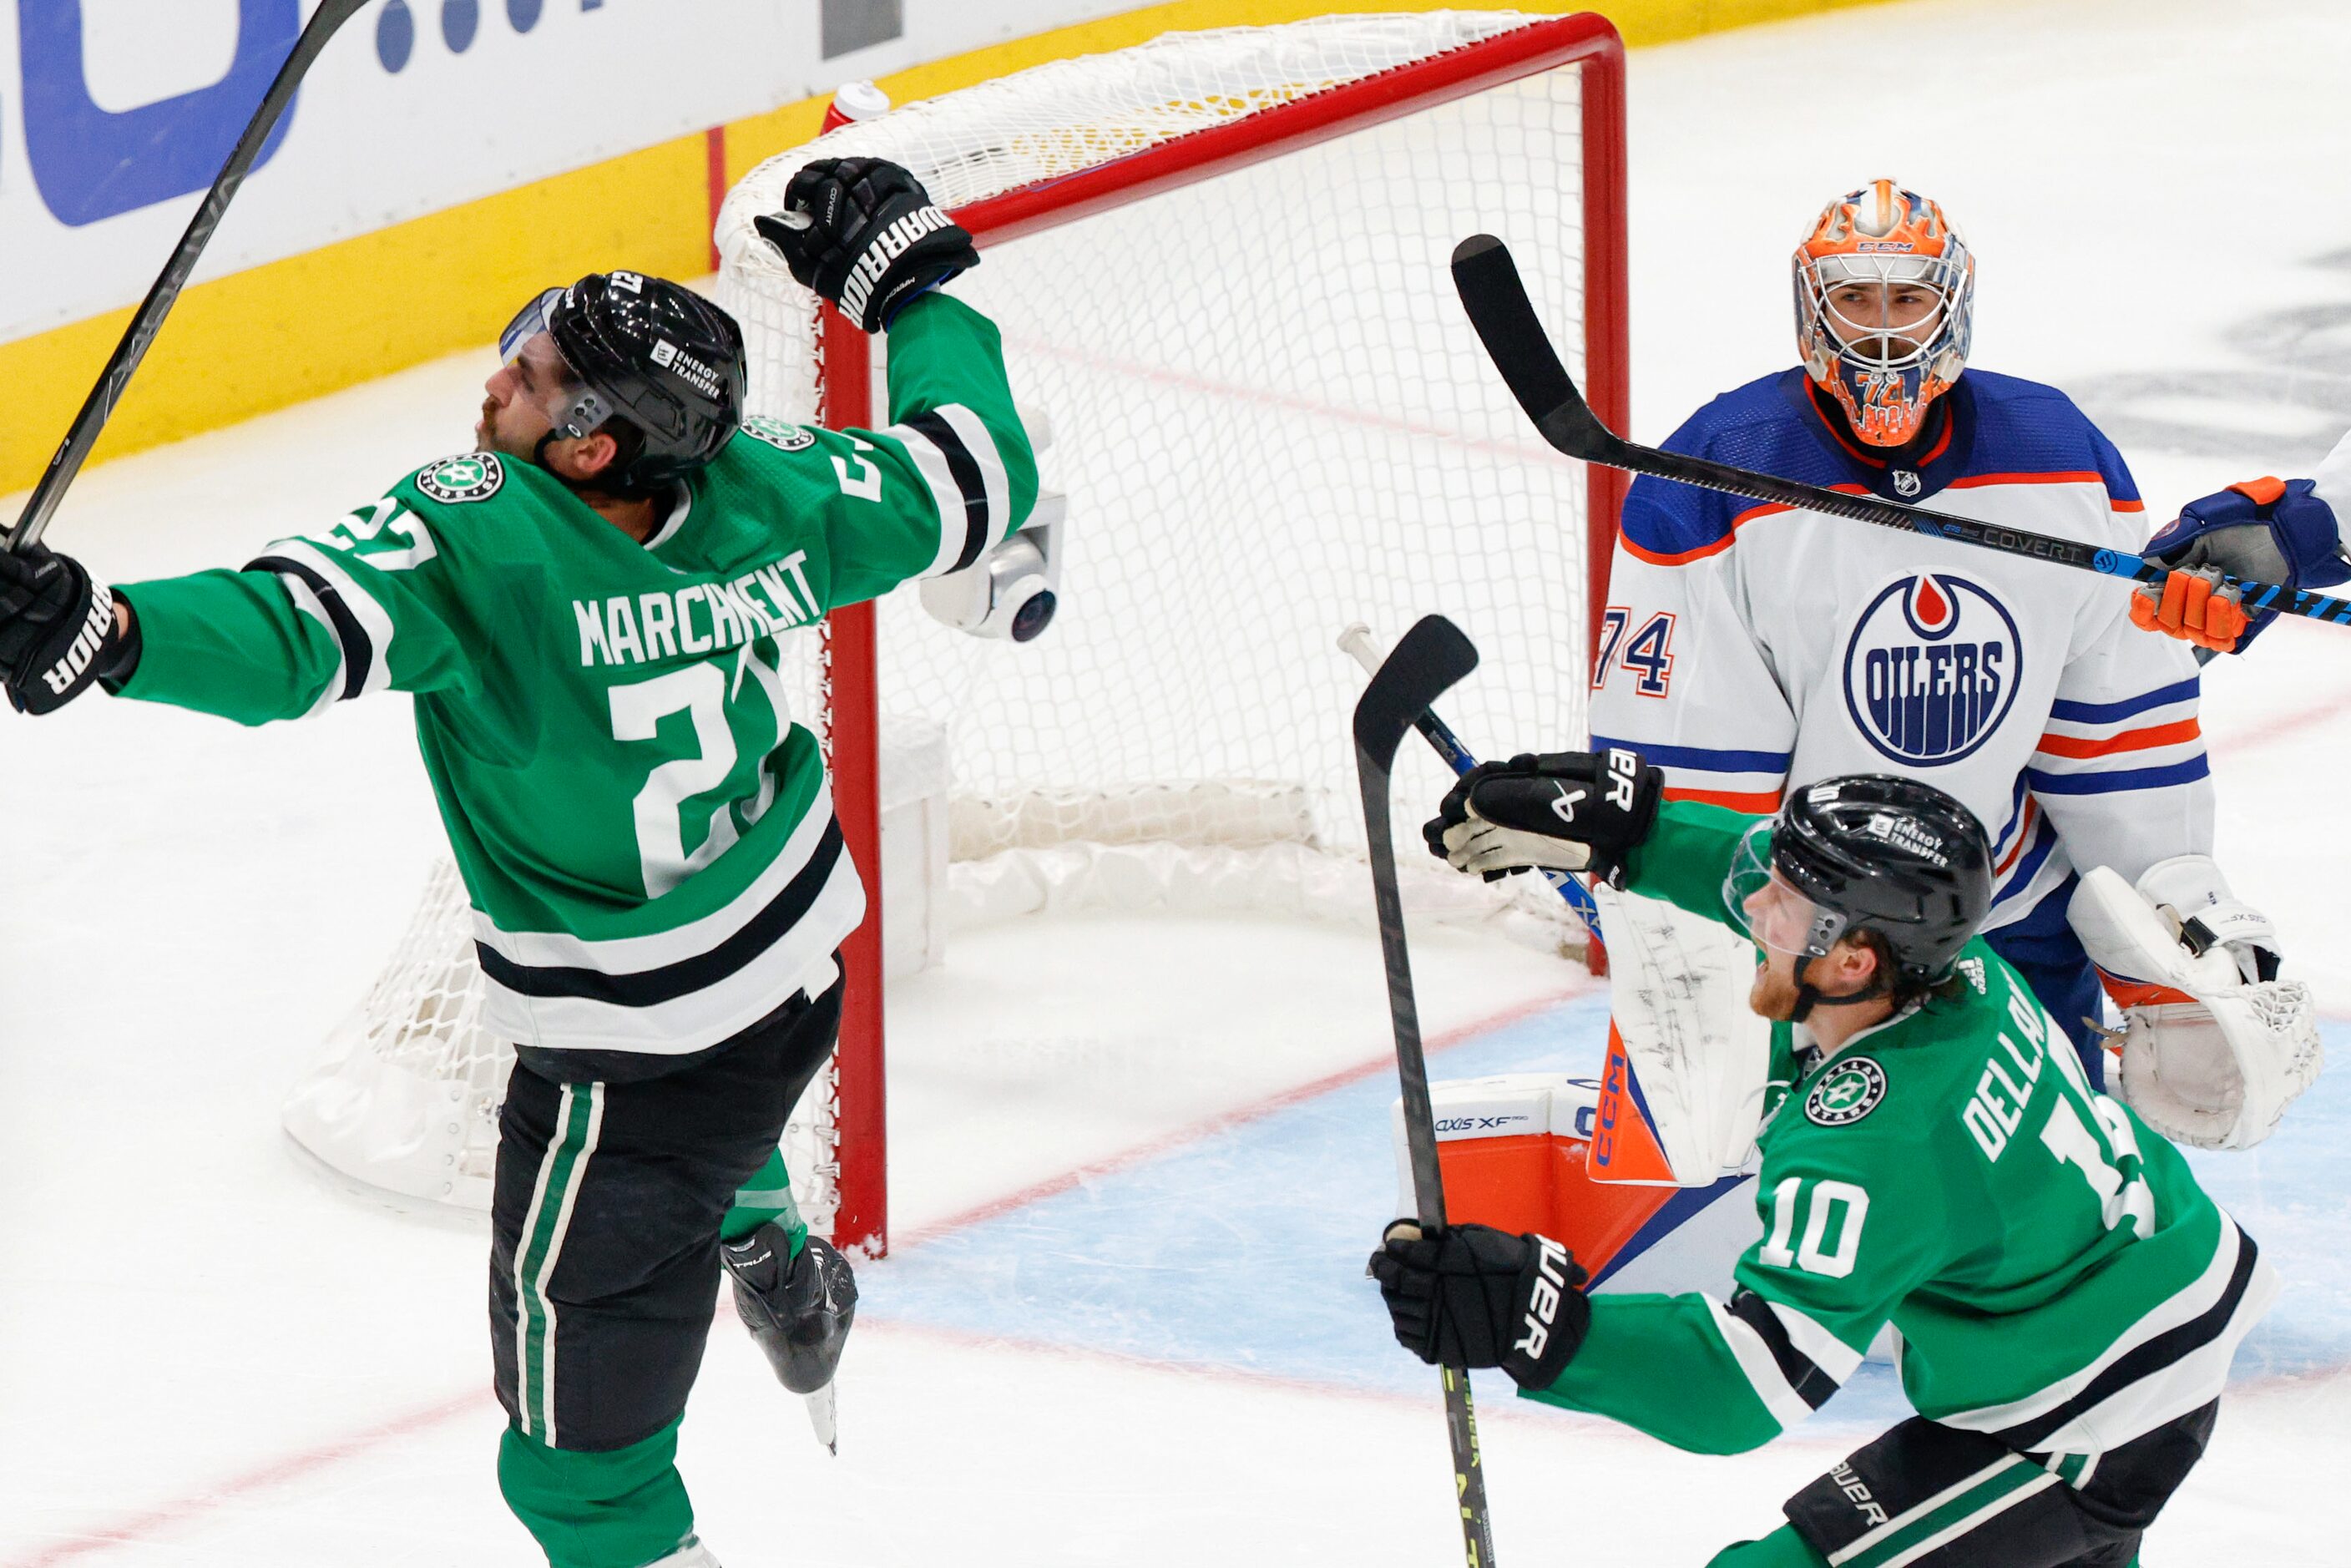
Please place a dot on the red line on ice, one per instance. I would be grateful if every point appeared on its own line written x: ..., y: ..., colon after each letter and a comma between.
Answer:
x: 139, y: 1526
x: 149, y: 1522
x: 1223, y: 1122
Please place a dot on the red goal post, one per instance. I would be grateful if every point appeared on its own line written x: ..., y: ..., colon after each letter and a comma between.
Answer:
x: 1218, y: 261
x: 1587, y: 43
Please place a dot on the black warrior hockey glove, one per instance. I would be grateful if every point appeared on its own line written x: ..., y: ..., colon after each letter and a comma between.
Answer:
x: 57, y: 631
x: 1569, y: 811
x: 1471, y: 1295
x: 872, y: 241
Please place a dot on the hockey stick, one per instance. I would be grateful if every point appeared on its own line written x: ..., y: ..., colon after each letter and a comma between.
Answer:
x: 1495, y: 299
x: 1357, y: 641
x: 99, y: 407
x: 1433, y: 656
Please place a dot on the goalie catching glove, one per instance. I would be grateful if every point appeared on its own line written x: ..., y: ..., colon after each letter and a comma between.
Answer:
x: 864, y: 234
x: 1471, y: 1295
x: 2215, y: 1047
x: 1568, y: 811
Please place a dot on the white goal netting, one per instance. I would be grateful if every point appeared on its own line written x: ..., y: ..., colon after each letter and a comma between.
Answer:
x: 1271, y: 420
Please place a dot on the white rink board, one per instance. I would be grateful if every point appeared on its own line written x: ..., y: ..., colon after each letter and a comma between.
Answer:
x: 123, y: 111
x: 235, y: 1367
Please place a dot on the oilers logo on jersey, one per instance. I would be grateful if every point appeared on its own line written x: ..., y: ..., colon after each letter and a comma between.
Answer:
x: 1932, y: 667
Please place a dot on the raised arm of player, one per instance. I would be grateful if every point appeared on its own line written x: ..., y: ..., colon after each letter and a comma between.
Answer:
x: 950, y: 478
x: 364, y: 606
x: 1679, y: 675
x: 953, y: 473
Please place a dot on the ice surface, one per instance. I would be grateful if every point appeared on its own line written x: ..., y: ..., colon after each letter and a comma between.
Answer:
x: 1136, y: 1164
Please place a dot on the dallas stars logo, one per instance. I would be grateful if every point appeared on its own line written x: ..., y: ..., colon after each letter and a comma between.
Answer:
x: 476, y: 477
x: 1846, y: 1092
x: 777, y: 434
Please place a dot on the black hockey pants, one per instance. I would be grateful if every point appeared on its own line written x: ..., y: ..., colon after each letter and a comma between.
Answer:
x: 1930, y: 1496
x: 613, y: 1174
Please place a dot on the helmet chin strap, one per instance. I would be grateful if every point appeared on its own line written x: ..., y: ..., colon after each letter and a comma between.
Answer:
x: 1808, y: 997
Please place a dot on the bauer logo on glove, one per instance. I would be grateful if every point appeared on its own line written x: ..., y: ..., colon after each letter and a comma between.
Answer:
x: 1471, y: 1296
x: 1567, y: 810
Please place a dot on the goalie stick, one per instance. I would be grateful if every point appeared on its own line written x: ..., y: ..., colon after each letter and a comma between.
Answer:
x: 1432, y: 657
x: 99, y: 407
x: 1357, y: 643
x: 1496, y: 298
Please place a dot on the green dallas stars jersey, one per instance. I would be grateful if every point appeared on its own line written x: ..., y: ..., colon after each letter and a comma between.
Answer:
x: 2055, y: 1276
x: 645, y: 833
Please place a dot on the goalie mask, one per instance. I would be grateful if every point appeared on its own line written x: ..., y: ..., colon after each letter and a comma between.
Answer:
x: 1869, y: 852
x: 1885, y: 302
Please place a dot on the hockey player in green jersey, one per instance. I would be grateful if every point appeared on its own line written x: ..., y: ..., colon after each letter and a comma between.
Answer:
x: 2065, y: 1298
x: 587, y: 608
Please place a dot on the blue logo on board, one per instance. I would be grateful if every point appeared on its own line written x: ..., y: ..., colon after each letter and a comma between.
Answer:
x: 91, y: 162
x: 1932, y: 668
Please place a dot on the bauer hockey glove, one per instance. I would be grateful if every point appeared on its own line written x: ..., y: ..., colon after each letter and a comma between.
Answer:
x: 57, y: 631
x: 1569, y: 811
x: 873, y: 239
x: 2266, y: 530
x: 1471, y: 1295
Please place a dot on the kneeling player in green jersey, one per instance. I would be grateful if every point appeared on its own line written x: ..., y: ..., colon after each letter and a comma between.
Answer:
x: 587, y: 608
x: 2065, y: 1298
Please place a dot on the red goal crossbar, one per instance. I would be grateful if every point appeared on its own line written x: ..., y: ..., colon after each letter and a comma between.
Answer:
x: 1587, y: 41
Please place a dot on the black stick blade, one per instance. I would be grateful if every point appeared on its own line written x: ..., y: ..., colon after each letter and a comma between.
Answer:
x: 1425, y: 664
x: 1495, y: 299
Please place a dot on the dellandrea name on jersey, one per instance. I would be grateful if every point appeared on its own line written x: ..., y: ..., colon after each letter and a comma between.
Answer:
x: 1819, y: 647
x: 644, y: 831
x: 2056, y: 1278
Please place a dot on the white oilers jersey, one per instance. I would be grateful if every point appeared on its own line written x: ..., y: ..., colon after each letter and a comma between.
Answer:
x: 1744, y: 646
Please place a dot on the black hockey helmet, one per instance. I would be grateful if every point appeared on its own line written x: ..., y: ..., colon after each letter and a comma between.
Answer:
x: 1873, y: 852
x: 653, y: 354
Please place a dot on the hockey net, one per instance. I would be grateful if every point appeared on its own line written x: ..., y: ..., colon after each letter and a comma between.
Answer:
x: 1219, y: 264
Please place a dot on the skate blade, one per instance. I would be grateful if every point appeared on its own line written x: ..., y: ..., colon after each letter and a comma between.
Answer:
x: 824, y: 1416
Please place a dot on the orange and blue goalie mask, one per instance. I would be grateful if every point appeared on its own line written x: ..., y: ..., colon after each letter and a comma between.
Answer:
x: 1885, y: 304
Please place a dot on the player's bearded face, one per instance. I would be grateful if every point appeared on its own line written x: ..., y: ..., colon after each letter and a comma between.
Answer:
x: 1884, y: 321
x: 1782, y: 921
x: 1774, y: 990
x: 514, y: 417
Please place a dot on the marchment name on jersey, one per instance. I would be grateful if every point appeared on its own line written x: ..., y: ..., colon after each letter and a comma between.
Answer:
x: 1932, y: 668
x: 700, y: 618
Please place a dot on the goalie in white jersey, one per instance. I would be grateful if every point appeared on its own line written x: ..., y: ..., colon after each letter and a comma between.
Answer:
x: 1748, y: 646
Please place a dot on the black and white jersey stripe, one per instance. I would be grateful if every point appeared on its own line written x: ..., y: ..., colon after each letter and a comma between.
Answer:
x: 678, y: 991
x: 965, y: 473
x: 2174, y: 1359
x: 361, y: 629
x: 1792, y: 1362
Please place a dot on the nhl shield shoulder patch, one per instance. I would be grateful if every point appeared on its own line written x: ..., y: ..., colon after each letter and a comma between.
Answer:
x: 1846, y: 1092
x: 475, y: 476
x: 777, y: 434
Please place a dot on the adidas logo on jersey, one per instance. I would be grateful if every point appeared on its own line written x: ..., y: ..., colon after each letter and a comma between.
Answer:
x: 62, y: 676
x: 1542, y: 1301
x: 893, y: 243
